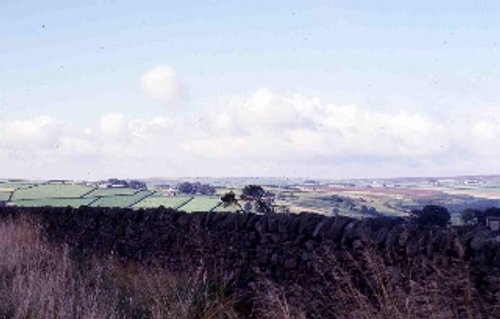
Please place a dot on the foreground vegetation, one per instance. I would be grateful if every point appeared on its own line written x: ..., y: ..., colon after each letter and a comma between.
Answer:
x: 39, y: 279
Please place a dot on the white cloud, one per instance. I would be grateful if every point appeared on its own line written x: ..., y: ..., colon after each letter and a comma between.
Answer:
x: 162, y: 83
x: 262, y: 134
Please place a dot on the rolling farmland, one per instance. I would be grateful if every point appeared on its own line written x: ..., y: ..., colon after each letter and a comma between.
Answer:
x: 27, y: 194
x: 355, y: 198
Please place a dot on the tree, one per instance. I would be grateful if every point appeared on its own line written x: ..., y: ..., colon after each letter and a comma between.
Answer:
x: 186, y: 188
x: 229, y: 198
x: 196, y: 188
x: 253, y: 192
x: 489, y: 212
x: 264, y: 207
x: 248, y: 207
x: 135, y: 184
x: 206, y: 189
x: 432, y: 215
x: 469, y: 216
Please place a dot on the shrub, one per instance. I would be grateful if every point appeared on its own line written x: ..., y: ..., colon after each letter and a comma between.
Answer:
x: 432, y: 215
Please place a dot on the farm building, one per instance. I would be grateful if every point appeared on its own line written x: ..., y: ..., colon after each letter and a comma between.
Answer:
x: 493, y: 223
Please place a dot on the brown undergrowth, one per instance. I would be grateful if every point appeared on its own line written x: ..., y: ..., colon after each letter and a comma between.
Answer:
x: 363, y: 285
x: 39, y: 279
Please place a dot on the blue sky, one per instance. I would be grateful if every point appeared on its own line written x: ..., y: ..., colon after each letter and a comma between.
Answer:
x: 68, y: 68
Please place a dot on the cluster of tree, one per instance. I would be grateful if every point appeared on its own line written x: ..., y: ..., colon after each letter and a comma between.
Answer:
x: 472, y: 216
x: 432, y: 215
x: 254, y: 192
x: 135, y: 184
x: 256, y: 197
x: 196, y: 188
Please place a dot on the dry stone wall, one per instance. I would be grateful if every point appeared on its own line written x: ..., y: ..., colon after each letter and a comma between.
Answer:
x: 284, y: 248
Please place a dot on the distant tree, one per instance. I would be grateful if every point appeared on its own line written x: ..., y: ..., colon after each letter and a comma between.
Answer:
x: 432, y: 215
x: 229, y: 198
x: 369, y: 210
x: 248, y: 207
x: 253, y: 192
x: 196, y: 188
x: 187, y: 188
x: 336, y: 212
x: 264, y: 207
x: 469, y: 216
x: 206, y: 189
x: 135, y: 184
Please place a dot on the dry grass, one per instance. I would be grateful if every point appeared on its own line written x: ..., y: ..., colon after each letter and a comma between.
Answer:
x: 365, y: 287
x: 38, y: 280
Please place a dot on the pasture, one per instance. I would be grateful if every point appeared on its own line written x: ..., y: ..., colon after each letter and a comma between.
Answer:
x: 51, y: 191
x: 27, y: 194
x: 167, y: 202
x: 53, y: 202
x: 109, y: 192
x: 4, y: 196
x: 201, y: 204
x: 121, y: 200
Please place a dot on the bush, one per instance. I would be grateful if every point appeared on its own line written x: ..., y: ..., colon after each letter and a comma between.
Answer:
x: 228, y: 198
x: 469, y: 216
x: 432, y: 215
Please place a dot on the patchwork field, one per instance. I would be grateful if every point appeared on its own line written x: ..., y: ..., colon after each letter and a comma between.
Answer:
x: 54, y: 202
x: 109, y: 192
x: 51, y: 191
x: 362, y: 198
x: 200, y: 204
x: 167, y: 202
x: 12, y: 186
x: 121, y: 200
x: 57, y: 194
x: 4, y: 196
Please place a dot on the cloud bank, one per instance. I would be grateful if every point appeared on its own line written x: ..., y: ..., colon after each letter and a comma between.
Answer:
x: 263, y: 134
x: 162, y: 83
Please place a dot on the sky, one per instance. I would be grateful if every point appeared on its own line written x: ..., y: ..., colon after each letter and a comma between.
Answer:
x: 336, y: 89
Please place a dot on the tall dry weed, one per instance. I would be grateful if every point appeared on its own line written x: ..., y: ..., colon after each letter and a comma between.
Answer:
x: 39, y: 280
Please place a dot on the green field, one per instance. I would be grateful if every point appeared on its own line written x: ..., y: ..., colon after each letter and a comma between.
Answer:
x: 200, y: 204
x: 106, y: 192
x: 54, y: 202
x: 4, y: 196
x: 157, y: 201
x: 11, y: 186
x: 44, y: 191
x: 121, y: 200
